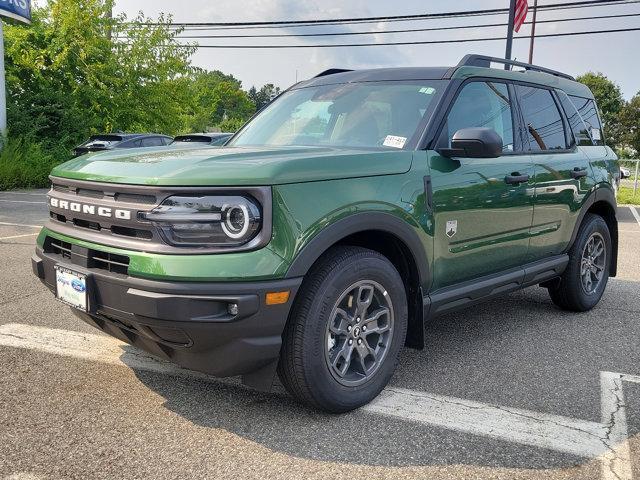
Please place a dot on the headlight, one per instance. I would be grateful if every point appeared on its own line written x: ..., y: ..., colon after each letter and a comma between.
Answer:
x: 207, y: 221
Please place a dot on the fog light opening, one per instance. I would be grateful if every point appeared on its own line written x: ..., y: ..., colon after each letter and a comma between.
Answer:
x: 232, y: 308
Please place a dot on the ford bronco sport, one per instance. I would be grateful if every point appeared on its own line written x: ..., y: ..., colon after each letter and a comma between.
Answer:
x: 351, y: 210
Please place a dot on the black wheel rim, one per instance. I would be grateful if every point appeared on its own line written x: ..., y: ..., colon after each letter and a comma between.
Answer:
x: 593, y: 263
x: 359, y: 333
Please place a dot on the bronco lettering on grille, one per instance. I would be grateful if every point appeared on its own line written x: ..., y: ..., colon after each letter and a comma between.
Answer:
x: 90, y: 209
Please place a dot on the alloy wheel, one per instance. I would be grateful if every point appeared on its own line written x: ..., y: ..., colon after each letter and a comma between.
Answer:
x: 359, y: 332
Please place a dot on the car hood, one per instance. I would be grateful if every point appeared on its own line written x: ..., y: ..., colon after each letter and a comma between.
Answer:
x: 233, y: 165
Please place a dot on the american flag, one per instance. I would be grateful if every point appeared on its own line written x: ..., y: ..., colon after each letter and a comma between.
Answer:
x: 522, y: 7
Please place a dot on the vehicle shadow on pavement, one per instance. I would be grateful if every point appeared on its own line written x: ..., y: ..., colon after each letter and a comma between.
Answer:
x: 518, y: 351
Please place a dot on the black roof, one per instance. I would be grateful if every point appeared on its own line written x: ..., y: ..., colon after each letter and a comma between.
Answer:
x: 377, y: 75
x: 338, y: 75
x: 128, y: 136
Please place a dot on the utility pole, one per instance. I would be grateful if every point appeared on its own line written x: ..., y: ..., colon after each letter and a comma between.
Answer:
x: 3, y: 88
x: 533, y: 30
x: 512, y: 14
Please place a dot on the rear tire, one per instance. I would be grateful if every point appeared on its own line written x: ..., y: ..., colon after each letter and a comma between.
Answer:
x: 583, y: 282
x: 338, y: 355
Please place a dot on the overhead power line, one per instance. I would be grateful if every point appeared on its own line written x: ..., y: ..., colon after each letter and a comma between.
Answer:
x: 395, y: 18
x: 408, y: 30
x: 425, y: 42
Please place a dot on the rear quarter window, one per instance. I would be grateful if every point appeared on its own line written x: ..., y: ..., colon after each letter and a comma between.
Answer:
x: 589, y: 113
x: 576, y: 123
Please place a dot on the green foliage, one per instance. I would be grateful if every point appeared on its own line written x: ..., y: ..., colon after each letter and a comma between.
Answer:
x: 25, y: 163
x: 263, y: 96
x: 231, y: 125
x: 629, y: 120
x: 626, y: 196
x: 67, y: 80
x: 610, y: 102
x: 75, y: 72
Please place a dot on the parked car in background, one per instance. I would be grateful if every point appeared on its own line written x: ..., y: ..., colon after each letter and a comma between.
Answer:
x: 121, y: 140
x: 219, y: 138
x: 624, y: 172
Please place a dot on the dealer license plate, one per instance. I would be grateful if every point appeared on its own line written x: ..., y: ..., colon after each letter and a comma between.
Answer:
x: 71, y: 287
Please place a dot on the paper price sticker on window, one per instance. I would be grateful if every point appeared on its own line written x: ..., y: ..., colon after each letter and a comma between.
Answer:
x: 595, y: 134
x: 395, y: 142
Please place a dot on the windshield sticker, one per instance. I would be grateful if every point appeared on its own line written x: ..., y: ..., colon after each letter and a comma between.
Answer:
x: 427, y: 90
x: 595, y: 134
x: 393, y: 141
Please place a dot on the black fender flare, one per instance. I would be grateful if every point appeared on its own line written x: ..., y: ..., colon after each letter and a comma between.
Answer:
x: 599, y: 194
x: 356, y: 223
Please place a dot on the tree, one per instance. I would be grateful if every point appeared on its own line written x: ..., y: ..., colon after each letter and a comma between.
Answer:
x: 216, y: 97
x: 629, y: 120
x: 66, y: 79
x: 262, y: 97
x: 610, y: 102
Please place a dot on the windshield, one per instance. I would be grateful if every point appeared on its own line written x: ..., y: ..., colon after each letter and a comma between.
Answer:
x: 368, y: 114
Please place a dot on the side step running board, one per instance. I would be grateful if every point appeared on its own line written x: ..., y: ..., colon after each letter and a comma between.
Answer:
x: 469, y: 293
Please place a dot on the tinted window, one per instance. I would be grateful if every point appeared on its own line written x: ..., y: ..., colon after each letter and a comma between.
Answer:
x: 367, y: 114
x: 576, y: 123
x: 220, y: 140
x: 542, y: 119
x: 589, y: 113
x: 152, y: 142
x: 481, y: 104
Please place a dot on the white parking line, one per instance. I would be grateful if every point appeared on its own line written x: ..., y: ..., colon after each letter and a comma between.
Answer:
x: 23, y: 193
x: 616, y: 463
x: 606, y: 440
x: 554, y: 432
x: 20, y: 225
x: 19, y: 236
x: 635, y: 213
x: 21, y: 201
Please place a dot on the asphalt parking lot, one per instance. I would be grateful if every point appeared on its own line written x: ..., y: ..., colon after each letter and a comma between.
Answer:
x: 512, y: 389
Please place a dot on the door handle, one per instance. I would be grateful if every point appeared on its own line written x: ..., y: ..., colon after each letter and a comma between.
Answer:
x: 578, y: 172
x: 516, y: 178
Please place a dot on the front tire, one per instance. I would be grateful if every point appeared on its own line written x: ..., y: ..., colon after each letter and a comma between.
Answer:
x: 347, y: 326
x: 583, y: 282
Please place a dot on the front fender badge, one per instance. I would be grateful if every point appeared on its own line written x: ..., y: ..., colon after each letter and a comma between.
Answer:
x: 452, y: 228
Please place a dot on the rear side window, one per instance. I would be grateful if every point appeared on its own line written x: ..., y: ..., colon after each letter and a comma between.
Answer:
x: 481, y: 104
x: 589, y: 113
x: 152, y: 142
x: 542, y: 119
x: 578, y: 127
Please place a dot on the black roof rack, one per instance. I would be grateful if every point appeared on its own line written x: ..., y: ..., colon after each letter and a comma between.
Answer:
x: 332, y: 71
x: 486, y: 61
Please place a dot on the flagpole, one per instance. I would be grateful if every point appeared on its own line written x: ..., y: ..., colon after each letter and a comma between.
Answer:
x: 512, y: 14
x: 533, y: 30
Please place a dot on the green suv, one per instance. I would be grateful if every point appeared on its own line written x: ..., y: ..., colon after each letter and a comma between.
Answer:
x: 355, y: 207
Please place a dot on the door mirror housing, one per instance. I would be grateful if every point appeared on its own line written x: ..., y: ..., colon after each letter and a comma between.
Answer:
x: 474, y: 143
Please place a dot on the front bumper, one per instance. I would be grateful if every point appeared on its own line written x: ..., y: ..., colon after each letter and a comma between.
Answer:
x: 186, y: 322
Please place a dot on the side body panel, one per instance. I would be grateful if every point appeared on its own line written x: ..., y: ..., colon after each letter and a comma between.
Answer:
x: 558, y: 200
x: 309, y: 217
x: 492, y: 218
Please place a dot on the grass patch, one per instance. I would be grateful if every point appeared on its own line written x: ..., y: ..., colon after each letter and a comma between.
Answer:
x: 625, y: 196
x: 25, y: 163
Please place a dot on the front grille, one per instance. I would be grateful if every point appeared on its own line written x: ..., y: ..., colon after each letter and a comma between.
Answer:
x: 86, y: 257
x: 109, y: 261
x: 113, y: 214
x: 114, y: 197
x: 58, y: 247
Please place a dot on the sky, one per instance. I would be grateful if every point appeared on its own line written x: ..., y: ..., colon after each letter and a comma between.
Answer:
x: 616, y: 55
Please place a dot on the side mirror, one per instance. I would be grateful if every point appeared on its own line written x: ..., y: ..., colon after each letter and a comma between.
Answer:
x: 474, y: 143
